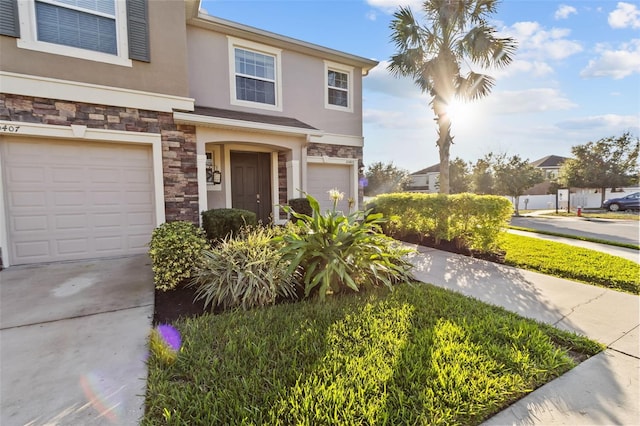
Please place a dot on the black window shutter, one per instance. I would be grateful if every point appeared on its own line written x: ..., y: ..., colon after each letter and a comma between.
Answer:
x: 9, y: 23
x: 138, y: 30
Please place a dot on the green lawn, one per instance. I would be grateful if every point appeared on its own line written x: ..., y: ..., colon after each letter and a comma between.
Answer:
x: 417, y: 355
x: 626, y: 215
x: 576, y: 237
x: 576, y: 263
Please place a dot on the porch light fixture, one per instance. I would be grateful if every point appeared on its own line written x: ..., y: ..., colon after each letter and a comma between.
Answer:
x: 217, y: 177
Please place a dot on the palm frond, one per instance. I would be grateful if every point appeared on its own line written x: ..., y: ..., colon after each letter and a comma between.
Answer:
x: 474, y: 86
x: 406, y: 31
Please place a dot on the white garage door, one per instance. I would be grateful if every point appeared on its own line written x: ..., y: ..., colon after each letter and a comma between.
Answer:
x: 68, y: 201
x: 322, y: 177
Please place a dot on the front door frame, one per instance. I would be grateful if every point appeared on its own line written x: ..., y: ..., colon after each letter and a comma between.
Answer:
x: 275, y: 209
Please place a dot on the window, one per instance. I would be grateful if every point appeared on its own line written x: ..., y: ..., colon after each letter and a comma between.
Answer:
x: 255, y: 75
x: 338, y: 88
x: 89, y: 29
x: 338, y: 94
x: 87, y: 24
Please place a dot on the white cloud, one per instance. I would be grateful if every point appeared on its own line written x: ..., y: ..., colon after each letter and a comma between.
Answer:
x: 527, y: 101
x: 613, y: 122
x: 534, y: 41
x: 615, y: 63
x: 390, y: 6
x: 537, y: 68
x: 372, y: 15
x: 626, y: 15
x: 564, y: 11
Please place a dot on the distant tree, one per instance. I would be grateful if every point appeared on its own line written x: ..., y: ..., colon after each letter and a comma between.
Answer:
x: 608, y: 163
x: 459, y: 177
x: 514, y: 175
x: 455, y: 36
x: 482, y: 176
x: 384, y: 178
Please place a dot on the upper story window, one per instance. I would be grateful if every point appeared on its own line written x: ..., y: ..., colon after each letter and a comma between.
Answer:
x: 86, y: 24
x: 95, y: 30
x: 255, y: 75
x: 339, y: 90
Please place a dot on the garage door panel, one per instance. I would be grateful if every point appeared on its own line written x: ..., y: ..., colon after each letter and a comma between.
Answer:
x: 69, y: 201
x: 29, y: 223
x: 72, y: 246
x: 72, y: 221
x: 321, y: 178
x: 31, y: 251
x: 27, y: 199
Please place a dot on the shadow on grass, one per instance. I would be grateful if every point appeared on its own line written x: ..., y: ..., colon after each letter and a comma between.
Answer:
x: 509, y: 288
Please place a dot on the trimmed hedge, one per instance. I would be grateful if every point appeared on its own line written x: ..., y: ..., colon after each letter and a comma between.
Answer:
x: 219, y: 223
x: 471, y: 221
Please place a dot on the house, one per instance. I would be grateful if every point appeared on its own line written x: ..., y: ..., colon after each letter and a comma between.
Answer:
x: 550, y: 166
x: 425, y: 180
x: 114, y: 119
x: 276, y: 117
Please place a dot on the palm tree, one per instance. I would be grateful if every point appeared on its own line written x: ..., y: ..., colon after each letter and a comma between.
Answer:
x: 433, y: 55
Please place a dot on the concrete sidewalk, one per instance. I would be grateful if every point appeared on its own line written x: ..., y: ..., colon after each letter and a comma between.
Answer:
x: 73, y: 342
x: 602, y: 390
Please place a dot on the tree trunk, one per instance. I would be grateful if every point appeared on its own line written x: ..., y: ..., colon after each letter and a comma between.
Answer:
x: 517, y: 203
x: 444, y: 142
x: 603, y: 192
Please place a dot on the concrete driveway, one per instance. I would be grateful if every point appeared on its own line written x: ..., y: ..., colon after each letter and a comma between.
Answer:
x: 73, y: 342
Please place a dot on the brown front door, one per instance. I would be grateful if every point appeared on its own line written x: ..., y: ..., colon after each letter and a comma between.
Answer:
x: 251, y: 183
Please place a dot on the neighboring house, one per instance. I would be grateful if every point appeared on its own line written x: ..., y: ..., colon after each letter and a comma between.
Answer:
x: 425, y: 180
x: 101, y: 139
x: 550, y: 166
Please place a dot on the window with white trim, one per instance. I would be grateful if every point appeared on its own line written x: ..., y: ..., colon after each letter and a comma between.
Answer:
x: 338, y: 87
x: 255, y: 75
x: 88, y: 29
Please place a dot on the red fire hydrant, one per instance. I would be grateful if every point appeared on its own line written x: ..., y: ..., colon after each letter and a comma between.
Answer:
x: 579, y: 211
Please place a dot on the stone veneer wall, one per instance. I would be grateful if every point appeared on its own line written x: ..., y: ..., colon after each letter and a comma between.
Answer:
x: 178, y: 142
x: 282, y: 182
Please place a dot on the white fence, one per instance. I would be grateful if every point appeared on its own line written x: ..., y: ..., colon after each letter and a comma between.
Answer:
x: 585, y: 198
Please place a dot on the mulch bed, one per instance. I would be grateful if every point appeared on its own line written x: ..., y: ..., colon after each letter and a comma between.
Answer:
x: 173, y: 304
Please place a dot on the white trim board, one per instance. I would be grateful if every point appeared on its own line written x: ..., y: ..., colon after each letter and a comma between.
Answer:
x: 66, y: 90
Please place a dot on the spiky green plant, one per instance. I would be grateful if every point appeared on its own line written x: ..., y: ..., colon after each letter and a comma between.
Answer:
x: 243, y: 271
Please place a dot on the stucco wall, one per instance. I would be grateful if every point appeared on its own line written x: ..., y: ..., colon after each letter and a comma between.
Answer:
x: 166, y: 73
x: 302, y: 84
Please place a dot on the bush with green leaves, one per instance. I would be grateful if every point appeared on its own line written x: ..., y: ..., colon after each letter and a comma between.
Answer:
x: 174, y: 249
x: 244, y: 271
x: 300, y: 205
x: 472, y: 221
x: 220, y: 223
x: 334, y: 252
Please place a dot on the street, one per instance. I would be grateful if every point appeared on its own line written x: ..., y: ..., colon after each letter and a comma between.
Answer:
x: 622, y: 231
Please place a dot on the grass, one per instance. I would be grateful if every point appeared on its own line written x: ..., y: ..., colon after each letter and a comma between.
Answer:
x: 576, y: 237
x: 626, y: 215
x: 417, y: 355
x: 576, y: 263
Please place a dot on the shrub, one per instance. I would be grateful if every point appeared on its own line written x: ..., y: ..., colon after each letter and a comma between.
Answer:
x: 472, y: 221
x: 334, y: 252
x: 300, y: 205
x: 220, y: 223
x: 244, y: 271
x: 174, y: 248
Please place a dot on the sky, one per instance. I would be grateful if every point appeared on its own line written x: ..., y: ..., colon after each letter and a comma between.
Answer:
x: 575, y: 77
